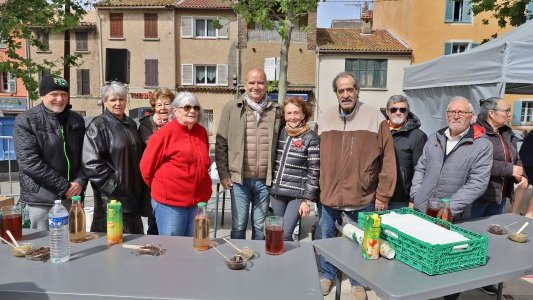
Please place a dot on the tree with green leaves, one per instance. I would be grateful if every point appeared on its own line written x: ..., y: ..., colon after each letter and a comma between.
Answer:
x: 18, y: 21
x: 506, y: 12
x: 281, y: 15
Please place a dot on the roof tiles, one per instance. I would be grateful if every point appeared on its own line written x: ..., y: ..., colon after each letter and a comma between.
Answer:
x: 133, y: 3
x: 349, y: 39
x: 204, y: 4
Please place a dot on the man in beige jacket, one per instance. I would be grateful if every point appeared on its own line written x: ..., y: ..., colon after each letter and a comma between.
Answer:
x: 245, y: 151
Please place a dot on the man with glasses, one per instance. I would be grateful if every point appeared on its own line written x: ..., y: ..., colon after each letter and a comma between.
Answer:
x: 48, y: 142
x: 456, y: 162
x: 244, y: 153
x: 357, y: 166
x: 409, y: 142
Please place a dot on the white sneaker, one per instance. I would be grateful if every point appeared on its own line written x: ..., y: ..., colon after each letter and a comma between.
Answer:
x: 359, y: 293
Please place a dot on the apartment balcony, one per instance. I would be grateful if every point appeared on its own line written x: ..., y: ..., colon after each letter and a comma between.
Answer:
x: 273, y: 36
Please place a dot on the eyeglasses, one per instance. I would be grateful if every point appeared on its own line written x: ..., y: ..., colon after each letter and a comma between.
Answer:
x: 189, y: 107
x: 460, y: 113
x: 507, y: 111
x: 394, y: 110
x: 349, y: 90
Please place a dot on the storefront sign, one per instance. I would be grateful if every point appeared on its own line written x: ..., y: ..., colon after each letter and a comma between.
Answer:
x: 141, y: 96
x: 13, y: 104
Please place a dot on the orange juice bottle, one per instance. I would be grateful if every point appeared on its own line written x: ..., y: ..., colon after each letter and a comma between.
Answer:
x: 114, y: 222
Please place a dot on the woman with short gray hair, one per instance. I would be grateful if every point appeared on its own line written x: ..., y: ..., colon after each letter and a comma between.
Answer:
x: 507, y: 167
x: 175, y: 167
x: 112, y: 151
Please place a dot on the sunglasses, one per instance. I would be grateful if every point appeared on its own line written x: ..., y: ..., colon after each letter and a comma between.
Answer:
x: 394, y: 110
x: 189, y: 107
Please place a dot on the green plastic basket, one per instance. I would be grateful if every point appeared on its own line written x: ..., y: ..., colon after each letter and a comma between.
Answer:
x: 433, y: 259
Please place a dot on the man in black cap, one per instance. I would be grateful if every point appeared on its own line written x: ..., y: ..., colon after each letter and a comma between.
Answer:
x: 48, y: 143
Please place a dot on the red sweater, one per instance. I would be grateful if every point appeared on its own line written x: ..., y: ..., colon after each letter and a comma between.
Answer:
x: 175, y: 165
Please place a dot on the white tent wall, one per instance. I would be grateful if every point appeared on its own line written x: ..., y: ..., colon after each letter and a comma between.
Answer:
x: 430, y: 104
x: 475, y: 74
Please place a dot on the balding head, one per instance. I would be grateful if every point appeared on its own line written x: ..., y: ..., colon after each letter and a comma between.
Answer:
x: 255, y: 84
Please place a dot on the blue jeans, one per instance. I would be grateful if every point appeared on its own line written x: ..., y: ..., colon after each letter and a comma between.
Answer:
x: 328, y: 217
x: 484, y: 209
x: 173, y: 220
x: 251, y: 192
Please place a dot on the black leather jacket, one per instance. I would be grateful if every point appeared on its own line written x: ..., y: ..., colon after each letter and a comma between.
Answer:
x: 43, y: 167
x: 297, y: 166
x: 112, y: 151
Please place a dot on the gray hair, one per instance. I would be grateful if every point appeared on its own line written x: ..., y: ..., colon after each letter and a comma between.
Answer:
x: 345, y: 74
x: 187, y: 98
x: 486, y: 105
x: 470, y: 106
x: 397, y: 99
x: 113, y: 88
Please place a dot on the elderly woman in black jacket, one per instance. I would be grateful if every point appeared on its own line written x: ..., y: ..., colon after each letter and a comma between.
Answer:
x: 297, y: 167
x: 112, y: 150
x: 506, y: 168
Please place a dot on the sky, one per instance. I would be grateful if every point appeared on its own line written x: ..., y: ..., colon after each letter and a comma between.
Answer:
x: 336, y: 9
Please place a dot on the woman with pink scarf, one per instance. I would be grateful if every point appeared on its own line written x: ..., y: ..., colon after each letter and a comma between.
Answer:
x: 160, y: 102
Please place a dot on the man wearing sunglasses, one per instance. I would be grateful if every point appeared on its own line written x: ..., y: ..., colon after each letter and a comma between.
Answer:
x: 245, y: 147
x: 409, y: 142
x: 357, y: 166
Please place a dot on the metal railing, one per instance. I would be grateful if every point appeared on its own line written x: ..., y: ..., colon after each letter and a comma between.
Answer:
x: 273, y: 36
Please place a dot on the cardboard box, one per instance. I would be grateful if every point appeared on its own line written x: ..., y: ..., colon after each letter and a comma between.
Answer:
x: 5, y: 201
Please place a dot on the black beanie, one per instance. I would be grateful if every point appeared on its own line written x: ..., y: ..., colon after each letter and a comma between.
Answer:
x: 51, y: 83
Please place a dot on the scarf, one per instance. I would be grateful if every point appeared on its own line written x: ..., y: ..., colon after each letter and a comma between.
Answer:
x: 158, y: 121
x: 298, y: 130
x: 257, y: 108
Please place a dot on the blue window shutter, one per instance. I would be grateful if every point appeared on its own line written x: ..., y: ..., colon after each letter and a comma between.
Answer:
x: 447, y: 48
x: 529, y: 9
x: 517, y: 112
x: 449, y: 10
x: 466, y: 16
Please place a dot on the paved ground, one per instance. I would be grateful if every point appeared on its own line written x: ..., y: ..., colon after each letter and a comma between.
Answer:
x: 519, y: 289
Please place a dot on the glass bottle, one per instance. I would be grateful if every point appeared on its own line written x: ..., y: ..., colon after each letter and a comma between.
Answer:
x: 201, y: 228
x: 77, y: 220
x: 445, y: 212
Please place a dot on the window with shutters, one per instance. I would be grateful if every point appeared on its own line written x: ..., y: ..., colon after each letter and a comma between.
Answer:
x: 525, y: 113
x: 271, y: 67
x: 83, y: 82
x: 203, y: 27
x: 458, y: 47
x: 82, y: 41
x: 207, y: 121
x: 8, y: 82
x: 204, y: 74
x: 151, y: 73
x: 150, y: 26
x: 116, y: 29
x: 458, y: 11
x: 43, y: 37
x: 371, y: 73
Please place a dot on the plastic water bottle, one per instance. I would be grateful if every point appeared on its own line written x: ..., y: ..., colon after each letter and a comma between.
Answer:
x: 59, y: 239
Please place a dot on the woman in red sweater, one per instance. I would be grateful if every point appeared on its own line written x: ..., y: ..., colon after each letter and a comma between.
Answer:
x: 175, y: 166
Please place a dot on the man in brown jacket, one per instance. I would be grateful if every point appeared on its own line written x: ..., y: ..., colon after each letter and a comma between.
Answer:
x: 244, y: 153
x: 357, y: 166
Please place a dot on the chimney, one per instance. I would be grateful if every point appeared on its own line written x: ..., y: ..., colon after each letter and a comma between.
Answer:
x: 367, y: 16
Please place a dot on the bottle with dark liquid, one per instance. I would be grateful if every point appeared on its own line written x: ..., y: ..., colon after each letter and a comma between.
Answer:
x: 77, y: 220
x: 201, y: 228
x: 445, y: 212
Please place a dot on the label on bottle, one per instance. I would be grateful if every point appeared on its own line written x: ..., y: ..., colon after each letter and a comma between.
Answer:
x: 57, y: 222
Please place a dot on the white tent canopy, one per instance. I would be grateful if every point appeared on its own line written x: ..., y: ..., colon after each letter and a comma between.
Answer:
x: 501, y: 66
